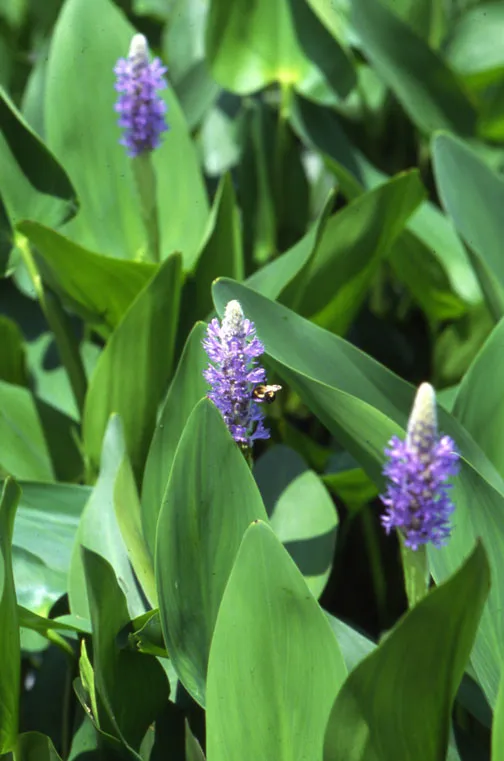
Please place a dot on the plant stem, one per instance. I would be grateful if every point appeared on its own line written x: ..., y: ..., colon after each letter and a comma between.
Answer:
x: 416, y: 572
x: 145, y: 178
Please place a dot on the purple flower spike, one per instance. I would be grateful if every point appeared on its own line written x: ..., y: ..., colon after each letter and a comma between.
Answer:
x: 232, y: 349
x: 418, y: 469
x: 140, y: 107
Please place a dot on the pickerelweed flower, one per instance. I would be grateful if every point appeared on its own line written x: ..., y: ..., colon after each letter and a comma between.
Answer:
x: 418, y: 470
x: 233, y: 348
x: 141, y: 109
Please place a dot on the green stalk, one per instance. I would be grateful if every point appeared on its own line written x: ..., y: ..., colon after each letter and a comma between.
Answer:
x: 416, y: 572
x: 59, y: 323
x: 145, y: 178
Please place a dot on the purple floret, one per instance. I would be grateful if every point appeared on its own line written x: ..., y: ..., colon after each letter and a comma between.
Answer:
x: 233, y: 348
x: 141, y: 109
x: 417, y: 497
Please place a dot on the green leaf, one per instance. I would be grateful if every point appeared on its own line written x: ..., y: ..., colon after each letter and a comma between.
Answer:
x: 479, y: 405
x: 129, y: 517
x: 427, y: 89
x: 222, y: 248
x: 422, y: 660
x: 12, y: 358
x: 34, y: 745
x: 143, y: 340
x: 210, y: 500
x: 10, y: 657
x: 264, y: 664
x: 35, y: 160
x: 275, y: 277
x: 301, y: 512
x: 186, y: 389
x: 133, y: 687
x: 473, y: 46
x: 353, y: 645
x: 336, y: 280
x: 498, y: 724
x: 23, y: 448
x: 44, y: 532
x: 249, y: 47
x: 107, y: 541
x: 475, y: 208
x: 109, y: 220
x: 82, y: 278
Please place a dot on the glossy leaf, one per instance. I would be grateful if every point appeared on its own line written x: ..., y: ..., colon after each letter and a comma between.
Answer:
x: 109, y: 220
x: 133, y: 687
x: 129, y: 517
x: 82, y: 278
x: 34, y: 745
x: 353, y: 241
x: 108, y: 541
x: 475, y: 208
x: 422, y: 660
x: 264, y: 666
x: 278, y: 43
x: 479, y: 405
x: 44, y: 532
x: 186, y: 389
x: 144, y: 340
x: 23, y: 448
x: 301, y: 512
x: 210, y: 500
x: 10, y: 656
x: 427, y: 89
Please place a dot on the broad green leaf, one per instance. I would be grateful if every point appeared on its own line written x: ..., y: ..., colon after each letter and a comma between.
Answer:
x: 186, y: 389
x: 10, y: 656
x: 44, y: 533
x: 52, y: 385
x: 427, y: 89
x: 397, y: 702
x: 62, y: 437
x: 107, y: 541
x: 134, y: 367
x: 353, y: 645
x: 12, y: 356
x: 133, y: 687
x: 498, y: 724
x: 87, y: 142
x: 320, y: 129
x: 479, y: 514
x: 249, y: 47
x: 479, y: 405
x: 274, y: 662
x: 23, y: 449
x: 301, y: 512
x: 210, y: 500
x: 475, y: 208
x: 34, y: 745
x: 221, y: 253
x: 33, y: 174
x: 197, y: 93
x: 473, y: 46
x: 275, y: 277
x: 352, y: 244
x: 82, y: 278
x: 129, y: 517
